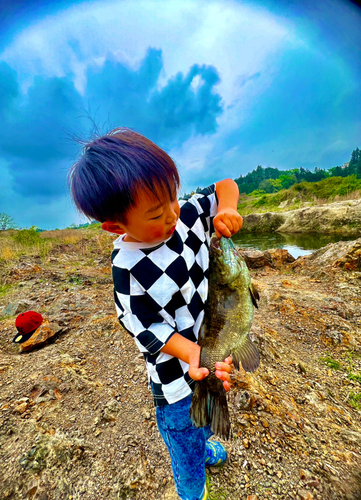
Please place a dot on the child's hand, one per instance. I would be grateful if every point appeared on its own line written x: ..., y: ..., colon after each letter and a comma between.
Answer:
x: 222, y: 372
x: 223, y: 369
x: 227, y: 222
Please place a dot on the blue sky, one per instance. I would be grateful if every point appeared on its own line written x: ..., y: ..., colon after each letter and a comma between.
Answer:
x: 221, y: 85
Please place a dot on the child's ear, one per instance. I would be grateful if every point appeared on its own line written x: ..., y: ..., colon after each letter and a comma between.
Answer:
x: 113, y: 227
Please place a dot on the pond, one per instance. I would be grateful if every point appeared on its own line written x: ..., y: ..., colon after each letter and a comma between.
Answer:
x: 297, y: 244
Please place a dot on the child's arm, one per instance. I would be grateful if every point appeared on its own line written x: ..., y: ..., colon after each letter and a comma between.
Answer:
x: 227, y: 221
x: 189, y: 352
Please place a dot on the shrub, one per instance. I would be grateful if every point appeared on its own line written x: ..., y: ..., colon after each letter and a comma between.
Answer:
x: 28, y: 237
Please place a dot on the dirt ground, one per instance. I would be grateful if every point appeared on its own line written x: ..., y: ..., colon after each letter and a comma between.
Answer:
x: 77, y: 419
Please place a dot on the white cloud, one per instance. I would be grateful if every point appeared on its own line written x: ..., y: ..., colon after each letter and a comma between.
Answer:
x: 237, y: 39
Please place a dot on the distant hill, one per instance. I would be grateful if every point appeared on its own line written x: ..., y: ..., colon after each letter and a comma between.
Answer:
x: 272, y: 180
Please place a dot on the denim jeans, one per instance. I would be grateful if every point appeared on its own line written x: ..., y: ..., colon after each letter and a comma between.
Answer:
x: 186, y: 445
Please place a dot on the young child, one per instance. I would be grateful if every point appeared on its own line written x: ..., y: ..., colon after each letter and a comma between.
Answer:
x: 160, y: 272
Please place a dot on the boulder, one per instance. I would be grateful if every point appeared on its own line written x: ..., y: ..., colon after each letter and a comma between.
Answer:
x: 275, y: 258
x: 343, y: 217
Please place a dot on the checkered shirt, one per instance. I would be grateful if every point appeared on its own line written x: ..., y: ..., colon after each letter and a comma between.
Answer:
x: 160, y: 290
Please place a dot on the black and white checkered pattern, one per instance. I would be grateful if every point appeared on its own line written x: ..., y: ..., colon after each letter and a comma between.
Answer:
x: 162, y: 290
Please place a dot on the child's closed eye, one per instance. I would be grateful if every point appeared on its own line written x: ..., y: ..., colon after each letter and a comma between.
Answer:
x: 158, y: 217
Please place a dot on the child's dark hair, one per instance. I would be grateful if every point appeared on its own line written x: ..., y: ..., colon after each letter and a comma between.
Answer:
x: 105, y: 180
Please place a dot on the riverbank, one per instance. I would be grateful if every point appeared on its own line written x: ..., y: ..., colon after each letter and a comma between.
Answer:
x: 343, y: 217
x: 77, y: 420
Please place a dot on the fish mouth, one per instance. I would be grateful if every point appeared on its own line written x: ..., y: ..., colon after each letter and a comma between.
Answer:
x: 216, y: 245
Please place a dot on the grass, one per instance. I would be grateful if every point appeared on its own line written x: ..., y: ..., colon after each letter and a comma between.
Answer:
x: 301, y: 195
x: 331, y: 363
x: 355, y: 376
x: 4, y: 289
x: 215, y: 493
x: 93, y: 243
x: 355, y: 400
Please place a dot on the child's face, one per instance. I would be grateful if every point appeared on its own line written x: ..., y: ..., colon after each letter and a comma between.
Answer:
x: 152, y: 220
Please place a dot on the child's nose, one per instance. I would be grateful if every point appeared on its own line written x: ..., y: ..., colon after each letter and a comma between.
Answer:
x: 172, y: 215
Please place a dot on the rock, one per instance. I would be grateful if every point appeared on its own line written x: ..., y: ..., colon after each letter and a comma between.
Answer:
x: 14, y: 308
x: 304, y: 495
x: 331, y: 258
x: 281, y: 257
x: 276, y: 258
x: 256, y: 258
x: 50, y: 450
x: 245, y: 443
x: 45, y: 332
x: 111, y: 410
x: 305, y: 474
x: 21, y: 408
x: 302, y: 367
x: 243, y: 401
x: 214, y: 470
x: 10, y: 309
x: 342, y: 217
x: 24, y: 271
x: 263, y: 223
x: 32, y: 488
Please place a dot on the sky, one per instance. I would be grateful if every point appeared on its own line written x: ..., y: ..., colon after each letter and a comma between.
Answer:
x: 221, y: 85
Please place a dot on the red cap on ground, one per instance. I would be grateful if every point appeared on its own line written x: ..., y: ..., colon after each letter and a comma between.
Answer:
x: 28, y: 322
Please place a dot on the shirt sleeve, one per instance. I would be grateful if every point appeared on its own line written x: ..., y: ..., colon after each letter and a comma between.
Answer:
x: 139, y: 314
x: 206, y: 203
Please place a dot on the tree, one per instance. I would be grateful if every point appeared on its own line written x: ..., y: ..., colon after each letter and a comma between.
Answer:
x: 271, y: 185
x: 7, y: 222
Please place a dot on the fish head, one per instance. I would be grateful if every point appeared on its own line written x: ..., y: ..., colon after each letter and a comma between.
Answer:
x: 224, y: 261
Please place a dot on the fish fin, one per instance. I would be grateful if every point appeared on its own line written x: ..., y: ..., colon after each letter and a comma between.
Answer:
x: 201, y: 332
x: 254, y: 296
x: 246, y: 355
x: 209, y: 407
x: 255, y: 291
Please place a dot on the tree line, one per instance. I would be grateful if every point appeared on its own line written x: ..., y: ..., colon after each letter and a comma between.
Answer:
x: 271, y: 180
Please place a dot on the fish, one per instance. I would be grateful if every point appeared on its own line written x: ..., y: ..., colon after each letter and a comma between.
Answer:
x: 225, y: 330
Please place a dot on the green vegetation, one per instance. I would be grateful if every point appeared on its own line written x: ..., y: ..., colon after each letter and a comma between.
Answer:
x: 27, y: 237
x: 91, y: 242
x: 355, y: 400
x: 355, y: 376
x: 331, y: 363
x: 301, y: 194
x: 272, y: 180
x: 4, y: 289
x: 76, y: 280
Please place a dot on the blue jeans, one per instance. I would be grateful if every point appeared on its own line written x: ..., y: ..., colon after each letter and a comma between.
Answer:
x: 187, y: 448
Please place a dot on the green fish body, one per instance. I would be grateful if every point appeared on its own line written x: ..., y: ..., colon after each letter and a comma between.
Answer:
x: 225, y: 331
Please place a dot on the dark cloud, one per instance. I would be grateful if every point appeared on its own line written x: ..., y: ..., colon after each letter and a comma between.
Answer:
x: 37, y: 127
x: 168, y: 116
x: 34, y: 141
x: 179, y: 111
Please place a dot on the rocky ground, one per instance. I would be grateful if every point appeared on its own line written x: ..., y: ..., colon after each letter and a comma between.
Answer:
x: 77, y: 420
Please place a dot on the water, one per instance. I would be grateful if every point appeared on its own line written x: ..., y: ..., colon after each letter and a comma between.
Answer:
x: 296, y: 244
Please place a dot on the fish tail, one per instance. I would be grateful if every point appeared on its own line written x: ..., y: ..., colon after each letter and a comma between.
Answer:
x: 246, y: 355
x: 209, y: 407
